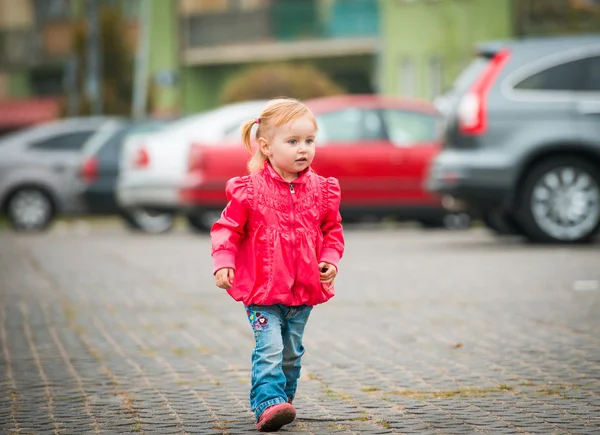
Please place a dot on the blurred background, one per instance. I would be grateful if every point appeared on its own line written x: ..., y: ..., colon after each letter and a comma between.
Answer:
x: 101, y: 92
x: 78, y: 57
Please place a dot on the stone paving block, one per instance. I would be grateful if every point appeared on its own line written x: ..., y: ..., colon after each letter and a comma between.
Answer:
x: 130, y: 334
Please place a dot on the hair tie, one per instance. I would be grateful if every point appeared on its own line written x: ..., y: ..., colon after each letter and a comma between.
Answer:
x: 257, y: 120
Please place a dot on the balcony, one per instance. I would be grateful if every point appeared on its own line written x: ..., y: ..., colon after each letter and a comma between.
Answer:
x: 280, y: 29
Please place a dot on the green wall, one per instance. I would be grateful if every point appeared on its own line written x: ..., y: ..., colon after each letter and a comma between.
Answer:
x: 164, y: 56
x: 418, y: 32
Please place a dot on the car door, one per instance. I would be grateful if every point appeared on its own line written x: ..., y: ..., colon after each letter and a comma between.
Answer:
x: 587, y: 106
x: 417, y: 135
x: 352, y: 146
x: 56, y: 156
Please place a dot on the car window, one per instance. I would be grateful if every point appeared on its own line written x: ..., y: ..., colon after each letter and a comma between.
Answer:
x: 63, y: 142
x: 111, y: 150
x: 445, y: 102
x: 563, y: 77
x: 468, y: 75
x: 591, y: 83
x: 24, y: 135
x: 350, y: 125
x: 406, y: 127
x: 233, y: 130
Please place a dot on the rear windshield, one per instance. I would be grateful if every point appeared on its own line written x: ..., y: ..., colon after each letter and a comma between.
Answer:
x: 463, y: 82
x: 468, y: 76
x: 22, y: 135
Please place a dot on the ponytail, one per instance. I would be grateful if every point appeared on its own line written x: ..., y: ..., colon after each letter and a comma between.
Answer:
x: 257, y: 162
x: 246, y: 131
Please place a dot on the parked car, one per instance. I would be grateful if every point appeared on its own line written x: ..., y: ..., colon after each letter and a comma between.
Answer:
x: 522, y: 138
x: 39, y: 170
x: 101, y: 163
x: 379, y: 148
x: 153, y: 166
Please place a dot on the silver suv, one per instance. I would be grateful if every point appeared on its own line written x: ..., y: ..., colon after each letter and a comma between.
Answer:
x: 522, y: 138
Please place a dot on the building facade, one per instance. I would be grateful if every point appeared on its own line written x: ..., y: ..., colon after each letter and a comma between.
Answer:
x: 427, y: 42
x: 37, y: 55
x: 219, y: 38
x: 411, y: 48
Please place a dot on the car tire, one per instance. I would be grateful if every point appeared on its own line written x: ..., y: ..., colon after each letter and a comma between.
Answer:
x: 149, y: 221
x: 30, y: 209
x: 203, y: 222
x: 501, y: 223
x: 560, y: 201
x: 128, y: 220
x: 456, y: 221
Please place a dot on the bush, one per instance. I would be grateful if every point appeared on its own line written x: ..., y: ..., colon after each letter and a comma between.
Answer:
x: 270, y: 81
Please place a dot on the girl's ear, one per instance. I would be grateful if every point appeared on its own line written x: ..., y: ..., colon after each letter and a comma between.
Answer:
x: 264, y: 146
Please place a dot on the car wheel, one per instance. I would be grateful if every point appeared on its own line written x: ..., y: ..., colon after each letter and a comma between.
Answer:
x: 456, y: 221
x: 149, y: 221
x: 560, y: 201
x: 30, y: 209
x: 501, y: 223
x: 203, y: 222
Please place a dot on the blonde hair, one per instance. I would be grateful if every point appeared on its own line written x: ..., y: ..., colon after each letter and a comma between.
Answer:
x: 277, y: 112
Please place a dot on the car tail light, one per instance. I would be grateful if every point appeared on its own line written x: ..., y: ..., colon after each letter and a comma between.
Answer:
x: 472, y: 109
x: 141, y: 158
x: 195, y: 158
x: 89, y: 170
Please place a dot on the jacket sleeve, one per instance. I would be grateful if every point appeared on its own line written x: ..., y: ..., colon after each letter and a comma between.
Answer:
x: 331, y: 226
x: 228, y: 230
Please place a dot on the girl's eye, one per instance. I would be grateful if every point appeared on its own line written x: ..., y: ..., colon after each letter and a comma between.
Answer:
x: 293, y: 141
x: 310, y: 141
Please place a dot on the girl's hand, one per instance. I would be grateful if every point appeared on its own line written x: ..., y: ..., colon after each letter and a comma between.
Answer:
x: 327, y: 272
x: 224, y: 278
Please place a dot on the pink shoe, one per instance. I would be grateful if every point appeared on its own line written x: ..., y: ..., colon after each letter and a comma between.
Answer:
x: 276, y: 416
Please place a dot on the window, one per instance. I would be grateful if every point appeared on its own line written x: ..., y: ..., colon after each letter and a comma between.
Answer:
x: 563, y: 77
x: 435, y: 74
x: 591, y: 82
x: 406, y: 127
x: 63, y: 142
x: 111, y: 150
x: 343, y: 125
x: 47, y: 81
x: 350, y: 125
x: 131, y: 8
x: 47, y: 10
x: 406, y: 78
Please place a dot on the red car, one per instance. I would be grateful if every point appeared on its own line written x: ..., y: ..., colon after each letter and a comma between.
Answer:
x: 379, y: 149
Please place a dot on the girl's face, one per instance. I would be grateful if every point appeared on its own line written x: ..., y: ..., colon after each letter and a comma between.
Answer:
x: 292, y: 147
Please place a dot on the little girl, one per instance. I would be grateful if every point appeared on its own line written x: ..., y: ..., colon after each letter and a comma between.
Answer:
x: 276, y: 248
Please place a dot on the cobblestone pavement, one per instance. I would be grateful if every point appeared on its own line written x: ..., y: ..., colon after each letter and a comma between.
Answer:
x: 431, y: 332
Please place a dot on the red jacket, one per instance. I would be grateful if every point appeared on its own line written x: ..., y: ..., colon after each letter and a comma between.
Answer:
x: 275, y: 233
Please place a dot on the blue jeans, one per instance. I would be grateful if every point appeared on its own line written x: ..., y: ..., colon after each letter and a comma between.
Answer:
x: 278, y: 331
